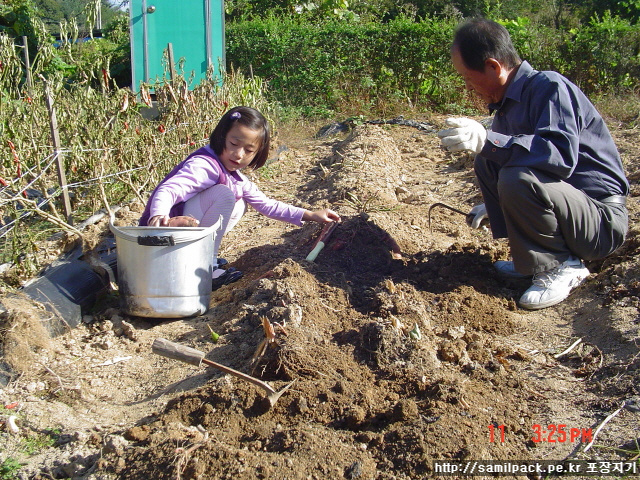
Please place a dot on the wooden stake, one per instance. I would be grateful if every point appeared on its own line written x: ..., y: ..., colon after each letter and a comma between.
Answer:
x: 55, y: 137
x: 27, y: 64
x: 172, y: 67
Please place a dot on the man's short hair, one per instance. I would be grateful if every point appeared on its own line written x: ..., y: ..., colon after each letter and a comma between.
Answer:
x: 479, y: 39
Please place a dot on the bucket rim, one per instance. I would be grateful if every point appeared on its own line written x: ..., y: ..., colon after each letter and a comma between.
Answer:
x: 180, y: 234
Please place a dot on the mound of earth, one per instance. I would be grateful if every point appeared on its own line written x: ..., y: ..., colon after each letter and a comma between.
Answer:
x: 398, y: 345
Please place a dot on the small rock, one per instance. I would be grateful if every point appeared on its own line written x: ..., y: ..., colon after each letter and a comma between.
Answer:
x: 104, y: 345
x: 633, y: 404
x: 119, y: 465
x: 129, y: 331
x: 406, y: 410
x: 80, y: 437
x: 302, y: 405
x: 355, y: 416
x: 456, y: 332
x: 453, y: 351
x: 353, y: 471
x: 137, y: 434
x: 72, y: 469
x: 115, y: 444
x: 106, y: 326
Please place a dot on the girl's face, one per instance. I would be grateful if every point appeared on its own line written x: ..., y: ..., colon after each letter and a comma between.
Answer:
x: 240, y: 147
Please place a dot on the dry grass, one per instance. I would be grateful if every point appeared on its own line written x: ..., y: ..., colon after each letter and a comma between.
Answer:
x: 623, y: 109
x: 23, y: 332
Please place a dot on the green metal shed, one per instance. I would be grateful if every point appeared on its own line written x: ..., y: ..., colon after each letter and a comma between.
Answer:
x: 194, y: 28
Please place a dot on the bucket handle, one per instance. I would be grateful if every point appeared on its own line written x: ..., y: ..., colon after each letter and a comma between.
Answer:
x: 188, y: 235
x: 156, y: 241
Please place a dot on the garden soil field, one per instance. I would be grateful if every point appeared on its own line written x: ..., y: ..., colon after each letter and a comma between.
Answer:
x: 402, y: 343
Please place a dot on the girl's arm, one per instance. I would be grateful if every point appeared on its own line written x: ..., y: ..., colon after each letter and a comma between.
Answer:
x: 197, y: 174
x: 284, y: 211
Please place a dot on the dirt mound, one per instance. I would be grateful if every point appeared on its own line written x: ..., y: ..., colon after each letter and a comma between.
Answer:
x: 379, y: 380
x: 364, y: 171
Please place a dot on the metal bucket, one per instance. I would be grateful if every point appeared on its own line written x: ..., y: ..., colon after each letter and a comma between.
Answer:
x: 165, y: 272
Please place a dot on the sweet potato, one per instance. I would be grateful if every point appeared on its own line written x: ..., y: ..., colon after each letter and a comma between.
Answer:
x: 183, y: 221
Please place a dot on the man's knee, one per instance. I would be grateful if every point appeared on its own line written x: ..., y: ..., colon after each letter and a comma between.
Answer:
x: 515, y: 183
x: 486, y: 171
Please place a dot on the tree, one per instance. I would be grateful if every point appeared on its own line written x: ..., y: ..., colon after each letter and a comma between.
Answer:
x: 20, y: 17
x: 53, y: 12
x: 50, y: 11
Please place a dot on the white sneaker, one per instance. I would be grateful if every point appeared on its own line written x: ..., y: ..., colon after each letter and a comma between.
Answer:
x: 553, y: 286
x: 507, y: 269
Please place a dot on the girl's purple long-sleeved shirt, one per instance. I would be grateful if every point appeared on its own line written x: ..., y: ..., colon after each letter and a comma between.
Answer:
x: 201, y: 170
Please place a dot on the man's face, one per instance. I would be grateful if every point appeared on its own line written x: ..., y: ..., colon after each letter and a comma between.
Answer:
x: 488, y: 84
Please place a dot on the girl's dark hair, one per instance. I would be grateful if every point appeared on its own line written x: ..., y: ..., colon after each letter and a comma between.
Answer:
x: 479, y: 39
x: 250, y: 118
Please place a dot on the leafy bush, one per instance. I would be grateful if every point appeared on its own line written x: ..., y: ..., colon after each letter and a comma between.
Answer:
x: 605, y: 54
x: 601, y: 57
x: 75, y: 60
x: 346, y: 66
x: 117, y: 32
x: 337, y: 64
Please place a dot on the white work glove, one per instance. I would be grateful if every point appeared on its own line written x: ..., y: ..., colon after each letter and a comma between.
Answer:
x: 476, y: 216
x: 466, y: 134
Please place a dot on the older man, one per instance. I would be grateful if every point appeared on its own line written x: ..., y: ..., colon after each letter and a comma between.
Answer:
x: 550, y: 174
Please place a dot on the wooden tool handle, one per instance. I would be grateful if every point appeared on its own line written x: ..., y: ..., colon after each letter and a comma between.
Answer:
x: 326, y: 232
x: 177, y: 352
x: 322, y: 240
x: 236, y: 373
x: 195, y: 357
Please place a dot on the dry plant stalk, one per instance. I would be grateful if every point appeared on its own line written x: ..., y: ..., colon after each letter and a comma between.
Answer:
x: 32, y: 205
x: 184, y: 455
x: 601, y: 426
x: 268, y: 330
x: 270, y: 337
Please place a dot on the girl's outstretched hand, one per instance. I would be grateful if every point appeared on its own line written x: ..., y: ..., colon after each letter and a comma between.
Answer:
x: 321, y: 216
x: 179, y: 221
x: 158, y: 221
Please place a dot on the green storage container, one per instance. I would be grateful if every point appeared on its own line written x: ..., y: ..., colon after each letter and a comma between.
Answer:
x: 194, y: 28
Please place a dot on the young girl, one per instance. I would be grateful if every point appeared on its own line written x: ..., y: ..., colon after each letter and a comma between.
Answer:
x: 208, y: 183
